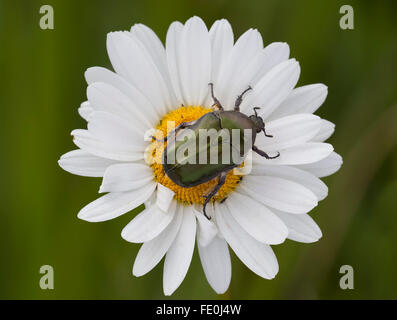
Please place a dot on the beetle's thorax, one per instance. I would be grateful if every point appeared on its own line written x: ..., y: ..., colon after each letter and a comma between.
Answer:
x: 239, y: 118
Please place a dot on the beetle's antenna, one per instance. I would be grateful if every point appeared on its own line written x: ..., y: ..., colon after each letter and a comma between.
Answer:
x: 256, y: 108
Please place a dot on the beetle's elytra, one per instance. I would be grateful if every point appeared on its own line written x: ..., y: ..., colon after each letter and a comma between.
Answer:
x: 189, y: 174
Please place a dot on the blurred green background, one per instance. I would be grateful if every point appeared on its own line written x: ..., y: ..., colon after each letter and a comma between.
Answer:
x: 42, y: 85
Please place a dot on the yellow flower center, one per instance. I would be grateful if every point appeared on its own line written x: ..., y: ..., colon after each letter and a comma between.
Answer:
x: 193, y: 194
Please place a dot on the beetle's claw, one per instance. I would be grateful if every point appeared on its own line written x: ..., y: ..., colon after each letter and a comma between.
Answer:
x: 205, y: 213
x: 159, y: 140
x: 207, y: 198
x: 223, y: 200
x: 267, y: 135
x: 274, y: 157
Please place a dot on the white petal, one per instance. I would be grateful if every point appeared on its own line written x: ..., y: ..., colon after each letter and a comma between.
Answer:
x: 116, y: 131
x: 326, y: 130
x: 207, y: 230
x: 303, y: 177
x: 142, y: 104
x: 85, y: 110
x: 289, y: 131
x: 83, y: 163
x: 86, y: 141
x: 272, y: 55
x: 273, y: 88
x: 302, y: 227
x: 324, y: 167
x: 131, y: 60
x: 173, y: 41
x: 152, y: 44
x: 156, y: 50
x: 105, y: 97
x: 254, y: 70
x: 148, y: 224
x: 152, y: 200
x: 306, y: 99
x: 256, y: 219
x: 215, y: 259
x: 308, y: 152
x: 256, y: 256
x: 177, y: 260
x: 113, y: 205
x: 245, y: 49
x: 221, y: 35
x: 153, y: 251
x: 279, y: 193
x: 126, y: 176
x: 164, y: 197
x: 194, y: 61
x: 241, y: 81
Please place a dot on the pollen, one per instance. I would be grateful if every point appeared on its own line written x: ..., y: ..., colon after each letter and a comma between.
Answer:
x: 154, y: 154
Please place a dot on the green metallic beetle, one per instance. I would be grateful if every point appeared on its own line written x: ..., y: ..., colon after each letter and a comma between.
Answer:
x: 192, y: 173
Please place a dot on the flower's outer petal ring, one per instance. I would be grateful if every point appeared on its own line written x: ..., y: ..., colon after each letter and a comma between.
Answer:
x: 148, y: 224
x: 302, y: 227
x: 179, y: 256
x: 256, y: 219
x: 279, y: 193
x: 257, y: 256
x: 112, y: 205
x: 324, y: 167
x: 215, y: 259
x: 84, y: 164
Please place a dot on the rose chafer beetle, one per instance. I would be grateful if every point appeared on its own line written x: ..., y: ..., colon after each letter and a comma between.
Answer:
x: 192, y: 173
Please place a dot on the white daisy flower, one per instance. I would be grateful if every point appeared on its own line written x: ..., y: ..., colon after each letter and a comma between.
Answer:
x: 151, y: 85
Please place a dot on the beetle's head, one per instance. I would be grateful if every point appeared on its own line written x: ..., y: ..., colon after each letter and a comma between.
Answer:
x: 258, y: 121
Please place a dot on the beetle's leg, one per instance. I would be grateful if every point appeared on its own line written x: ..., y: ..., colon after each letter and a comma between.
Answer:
x: 216, y: 114
x: 216, y: 101
x: 264, y: 154
x: 183, y: 125
x: 240, y: 99
x: 208, y: 197
x: 267, y: 135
